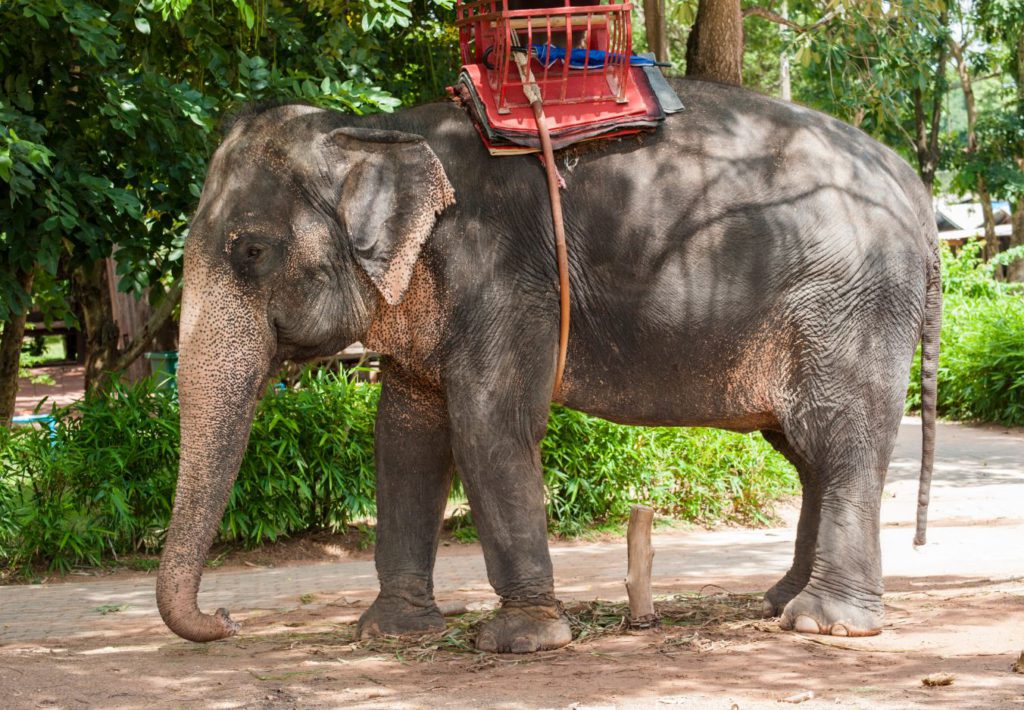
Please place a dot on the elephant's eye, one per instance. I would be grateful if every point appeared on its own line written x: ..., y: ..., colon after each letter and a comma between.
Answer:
x: 256, y: 256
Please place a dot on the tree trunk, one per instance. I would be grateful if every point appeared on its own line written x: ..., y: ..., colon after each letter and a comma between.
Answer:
x: 10, y: 357
x: 104, y: 350
x: 92, y: 291
x: 715, y: 47
x: 654, y: 23
x: 640, y: 561
x: 785, y: 82
x: 963, y: 71
x: 927, y: 123
x: 154, y: 329
x: 1015, y: 271
x: 985, y: 198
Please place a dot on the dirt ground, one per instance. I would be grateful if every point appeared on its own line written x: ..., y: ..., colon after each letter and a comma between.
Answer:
x: 713, y: 652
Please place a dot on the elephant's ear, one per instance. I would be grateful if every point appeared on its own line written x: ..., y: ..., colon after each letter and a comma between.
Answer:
x: 392, y: 189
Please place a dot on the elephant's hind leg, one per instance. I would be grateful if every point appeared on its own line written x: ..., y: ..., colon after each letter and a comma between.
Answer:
x: 414, y: 468
x: 848, y: 450
x: 776, y: 598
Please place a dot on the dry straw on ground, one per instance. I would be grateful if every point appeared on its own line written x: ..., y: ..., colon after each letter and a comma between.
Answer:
x: 682, y: 616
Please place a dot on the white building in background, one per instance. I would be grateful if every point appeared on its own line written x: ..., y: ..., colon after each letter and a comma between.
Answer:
x: 961, y: 221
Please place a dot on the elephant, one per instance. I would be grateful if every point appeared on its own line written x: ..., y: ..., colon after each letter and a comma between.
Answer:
x: 752, y: 265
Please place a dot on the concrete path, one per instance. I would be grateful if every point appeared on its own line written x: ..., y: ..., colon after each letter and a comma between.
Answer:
x: 977, y: 522
x: 57, y: 384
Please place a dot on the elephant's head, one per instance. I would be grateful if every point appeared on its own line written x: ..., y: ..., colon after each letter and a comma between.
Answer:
x: 303, y: 227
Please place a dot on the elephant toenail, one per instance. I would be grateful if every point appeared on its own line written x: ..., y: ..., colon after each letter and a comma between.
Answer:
x: 840, y: 630
x: 525, y: 644
x: 806, y: 625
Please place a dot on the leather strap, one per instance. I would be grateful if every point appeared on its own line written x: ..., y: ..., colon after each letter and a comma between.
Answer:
x: 533, y: 94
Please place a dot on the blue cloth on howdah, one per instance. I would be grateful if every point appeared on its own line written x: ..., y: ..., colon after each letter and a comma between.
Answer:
x: 548, y: 54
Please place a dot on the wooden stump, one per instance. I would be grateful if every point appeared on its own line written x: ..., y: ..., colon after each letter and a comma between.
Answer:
x: 640, y: 555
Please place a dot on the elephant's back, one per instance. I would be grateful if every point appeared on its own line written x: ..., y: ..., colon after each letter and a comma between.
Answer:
x: 736, y: 185
x: 742, y: 166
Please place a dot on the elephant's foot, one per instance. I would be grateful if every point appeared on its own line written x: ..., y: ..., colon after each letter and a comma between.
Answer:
x: 392, y: 615
x: 811, y: 613
x: 776, y: 598
x: 525, y: 629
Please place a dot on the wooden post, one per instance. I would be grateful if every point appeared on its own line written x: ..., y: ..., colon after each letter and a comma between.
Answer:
x: 640, y: 555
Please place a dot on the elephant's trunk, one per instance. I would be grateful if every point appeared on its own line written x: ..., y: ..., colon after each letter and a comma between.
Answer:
x: 224, y: 361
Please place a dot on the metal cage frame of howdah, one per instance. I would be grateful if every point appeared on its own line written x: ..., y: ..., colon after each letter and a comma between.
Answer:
x: 489, y: 32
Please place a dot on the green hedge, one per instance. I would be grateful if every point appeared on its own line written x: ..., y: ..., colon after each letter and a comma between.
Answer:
x: 595, y: 470
x: 102, y: 483
x: 981, y: 360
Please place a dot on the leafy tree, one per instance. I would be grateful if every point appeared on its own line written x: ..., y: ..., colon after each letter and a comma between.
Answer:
x: 881, y: 67
x: 973, y: 172
x: 108, y: 116
x: 996, y: 158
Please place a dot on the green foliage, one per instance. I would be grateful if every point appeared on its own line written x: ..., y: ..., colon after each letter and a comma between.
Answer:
x: 981, y: 364
x: 103, y: 482
x: 100, y: 142
x: 595, y: 470
x: 873, y: 63
x: 107, y: 115
x: 309, y: 463
x: 1000, y: 136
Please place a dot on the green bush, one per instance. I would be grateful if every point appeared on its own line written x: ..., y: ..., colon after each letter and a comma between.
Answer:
x: 309, y: 463
x: 981, y: 361
x: 595, y: 470
x: 102, y: 483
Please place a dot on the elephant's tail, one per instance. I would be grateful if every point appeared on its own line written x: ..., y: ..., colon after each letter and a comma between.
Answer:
x: 929, y: 374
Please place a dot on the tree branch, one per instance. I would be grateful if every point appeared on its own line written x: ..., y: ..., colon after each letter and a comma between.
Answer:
x: 775, y: 17
x: 905, y: 133
x: 157, y: 320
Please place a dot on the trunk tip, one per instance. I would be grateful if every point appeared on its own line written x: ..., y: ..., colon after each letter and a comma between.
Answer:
x: 202, y: 628
x: 231, y: 627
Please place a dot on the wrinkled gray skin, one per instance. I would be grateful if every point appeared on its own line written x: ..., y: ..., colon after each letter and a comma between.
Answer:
x: 753, y: 265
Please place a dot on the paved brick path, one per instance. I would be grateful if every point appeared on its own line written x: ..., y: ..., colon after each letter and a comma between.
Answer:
x: 979, y: 479
x: 68, y: 386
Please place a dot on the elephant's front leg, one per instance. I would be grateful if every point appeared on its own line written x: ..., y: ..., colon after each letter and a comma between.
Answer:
x: 414, y: 467
x: 496, y: 438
